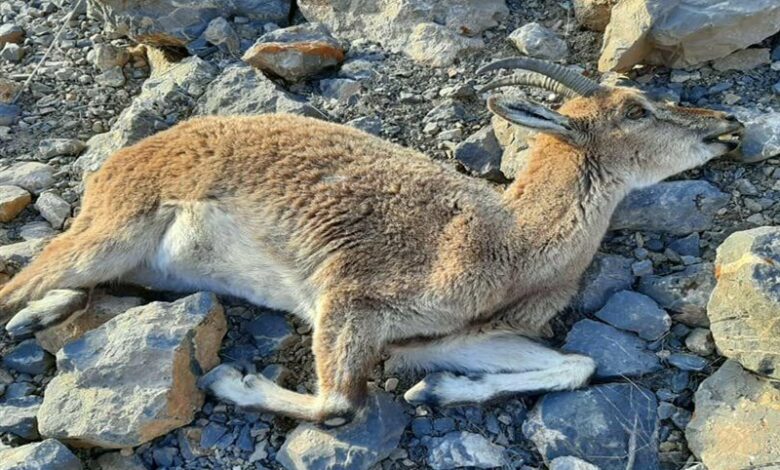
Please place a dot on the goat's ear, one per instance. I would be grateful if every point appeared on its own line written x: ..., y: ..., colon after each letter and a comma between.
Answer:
x: 534, y: 116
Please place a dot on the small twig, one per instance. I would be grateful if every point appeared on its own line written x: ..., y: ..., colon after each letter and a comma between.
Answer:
x: 48, y: 51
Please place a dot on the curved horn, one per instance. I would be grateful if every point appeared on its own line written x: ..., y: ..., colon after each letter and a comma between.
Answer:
x: 569, y: 78
x: 531, y: 79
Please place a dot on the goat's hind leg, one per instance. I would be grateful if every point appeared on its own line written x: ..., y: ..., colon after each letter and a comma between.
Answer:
x: 495, y: 365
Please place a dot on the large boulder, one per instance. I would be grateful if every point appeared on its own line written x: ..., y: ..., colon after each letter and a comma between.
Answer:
x: 745, y: 304
x: 179, y: 86
x: 680, y: 33
x: 358, y: 445
x: 296, y: 52
x: 677, y: 207
x: 736, y: 420
x: 47, y: 455
x: 610, y: 426
x: 134, y: 378
x: 179, y: 22
x: 391, y: 22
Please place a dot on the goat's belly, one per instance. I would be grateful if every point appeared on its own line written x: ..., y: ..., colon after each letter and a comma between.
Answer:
x: 206, y: 249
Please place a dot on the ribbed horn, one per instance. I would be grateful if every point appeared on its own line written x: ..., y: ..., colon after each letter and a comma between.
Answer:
x: 579, y: 84
x: 534, y: 79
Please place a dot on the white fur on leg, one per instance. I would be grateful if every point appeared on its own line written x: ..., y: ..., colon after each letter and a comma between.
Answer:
x: 443, y: 389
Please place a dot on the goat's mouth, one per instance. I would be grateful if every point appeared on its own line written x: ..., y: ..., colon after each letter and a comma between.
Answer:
x: 731, y: 138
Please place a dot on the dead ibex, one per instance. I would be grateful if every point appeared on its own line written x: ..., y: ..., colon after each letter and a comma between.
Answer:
x: 379, y: 248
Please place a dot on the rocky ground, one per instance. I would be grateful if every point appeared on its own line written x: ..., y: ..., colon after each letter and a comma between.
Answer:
x: 667, y: 394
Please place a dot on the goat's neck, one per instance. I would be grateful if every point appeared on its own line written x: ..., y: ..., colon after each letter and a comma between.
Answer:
x: 562, y: 202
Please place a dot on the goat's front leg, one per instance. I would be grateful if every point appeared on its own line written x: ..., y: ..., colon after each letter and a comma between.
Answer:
x: 345, y: 349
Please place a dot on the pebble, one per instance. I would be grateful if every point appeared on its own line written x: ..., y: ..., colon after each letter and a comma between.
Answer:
x: 700, y: 342
x: 688, y: 362
x: 535, y: 40
x: 53, y: 208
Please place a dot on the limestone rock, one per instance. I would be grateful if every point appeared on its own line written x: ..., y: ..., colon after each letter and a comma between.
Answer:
x: 134, y: 378
x: 685, y: 292
x: 32, y: 176
x: 742, y: 60
x: 736, y: 420
x: 598, y: 424
x: 438, y: 46
x: 105, y: 56
x: 184, y: 82
x: 679, y: 33
x: 745, y: 303
x: 296, y: 52
x: 101, y: 309
x: 47, y: 455
x: 178, y: 22
x: 53, y: 307
x: 677, y: 207
x: 391, y: 22
x: 49, y: 148
x: 535, y: 40
x: 593, y: 14
x: 245, y: 90
x: 53, y: 208
x: 13, y: 200
x: 358, y: 445
x: 464, y: 449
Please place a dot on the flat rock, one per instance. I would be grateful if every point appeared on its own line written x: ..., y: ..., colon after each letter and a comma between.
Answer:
x: 13, y: 200
x: 684, y: 292
x: 134, y: 378
x: 29, y: 358
x: 18, y: 417
x: 736, y: 420
x: 358, y: 445
x: 534, y: 40
x: 515, y: 142
x: 241, y: 89
x: 676, y: 207
x: 32, y: 176
x: 101, y: 309
x: 599, y: 424
x: 745, y: 303
x: 53, y: 208
x: 36, y: 230
x: 50, y: 148
x: 742, y: 60
x: 761, y: 139
x: 459, y: 449
x: 47, y: 455
x: 296, y: 52
x: 617, y: 353
x: 56, y: 305
x: 481, y: 154
x: 117, y: 461
x: 637, y: 313
x: 438, y: 46
x: 270, y: 333
x: 606, y: 275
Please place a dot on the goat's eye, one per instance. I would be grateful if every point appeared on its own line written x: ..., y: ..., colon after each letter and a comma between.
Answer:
x: 636, y: 112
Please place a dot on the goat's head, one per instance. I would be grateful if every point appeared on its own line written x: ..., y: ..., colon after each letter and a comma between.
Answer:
x: 630, y: 136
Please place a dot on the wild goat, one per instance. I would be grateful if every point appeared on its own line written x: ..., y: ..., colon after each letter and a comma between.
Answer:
x: 379, y: 248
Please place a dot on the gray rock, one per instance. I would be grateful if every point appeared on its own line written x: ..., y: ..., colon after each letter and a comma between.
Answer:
x: 674, y: 34
x: 606, y: 275
x: 481, y: 153
x: 32, y: 176
x: 105, y: 56
x: 689, y: 362
x: 10, y: 32
x: 29, y: 358
x: 135, y: 375
x: 117, y: 461
x: 179, y: 86
x: 18, y: 417
x: 535, y: 40
x: 113, y: 77
x: 56, y: 305
x: 296, y: 52
x: 245, y: 90
x: 360, y: 444
x: 687, y: 246
x: 13, y: 200
x: 608, y: 425
x: 37, y: 230
x: 635, y: 312
x: 761, y: 139
x: 617, y: 354
x: 49, y: 148
x: 742, y: 60
x: 515, y: 140
x: 53, y: 208
x: 685, y: 292
x: 700, y: 341
x: 745, y: 303
x: 220, y: 33
x: 341, y: 90
x: 270, y: 332
x: 439, y: 46
x: 47, y: 455
x: 9, y: 114
x: 571, y: 463
x: 736, y: 420
x: 13, y: 53
x: 176, y: 22
x: 370, y: 124
x: 677, y: 207
x: 464, y: 449
x: 593, y: 14
x: 19, y: 255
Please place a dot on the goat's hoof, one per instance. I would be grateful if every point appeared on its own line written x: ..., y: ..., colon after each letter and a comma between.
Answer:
x: 221, y: 374
x: 429, y: 391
